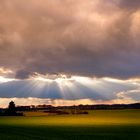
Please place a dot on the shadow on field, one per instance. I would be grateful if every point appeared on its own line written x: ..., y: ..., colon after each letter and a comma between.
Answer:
x: 69, y: 133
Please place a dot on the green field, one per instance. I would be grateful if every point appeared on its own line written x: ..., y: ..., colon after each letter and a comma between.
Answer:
x: 97, y: 125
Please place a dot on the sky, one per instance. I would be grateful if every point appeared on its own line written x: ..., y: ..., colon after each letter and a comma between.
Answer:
x: 69, y: 52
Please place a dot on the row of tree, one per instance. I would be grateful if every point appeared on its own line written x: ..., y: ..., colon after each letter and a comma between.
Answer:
x: 11, y: 110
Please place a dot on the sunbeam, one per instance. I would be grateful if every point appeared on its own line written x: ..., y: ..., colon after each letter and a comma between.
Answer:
x: 62, y: 87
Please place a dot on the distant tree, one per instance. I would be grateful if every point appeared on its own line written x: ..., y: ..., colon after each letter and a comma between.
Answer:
x: 11, y: 111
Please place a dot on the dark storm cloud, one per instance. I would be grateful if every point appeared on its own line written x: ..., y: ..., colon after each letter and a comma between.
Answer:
x: 23, y: 74
x: 131, y: 4
x: 72, y: 37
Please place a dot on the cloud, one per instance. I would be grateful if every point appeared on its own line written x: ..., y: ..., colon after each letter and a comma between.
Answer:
x: 130, y: 94
x: 60, y: 102
x: 80, y: 37
x: 38, y: 101
x: 129, y: 4
x: 23, y: 74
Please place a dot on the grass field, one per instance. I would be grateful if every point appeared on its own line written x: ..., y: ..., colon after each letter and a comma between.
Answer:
x: 97, y: 125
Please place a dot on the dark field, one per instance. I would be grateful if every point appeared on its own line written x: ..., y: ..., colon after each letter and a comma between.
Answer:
x: 97, y: 125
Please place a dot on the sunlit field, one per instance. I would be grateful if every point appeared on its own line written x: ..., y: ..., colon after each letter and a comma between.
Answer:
x: 97, y: 125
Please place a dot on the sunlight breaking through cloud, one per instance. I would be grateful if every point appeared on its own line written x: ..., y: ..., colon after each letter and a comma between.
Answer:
x: 62, y: 87
x: 3, y: 79
x: 70, y: 49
